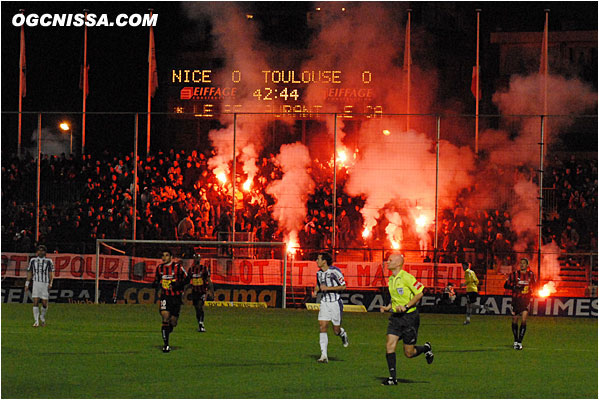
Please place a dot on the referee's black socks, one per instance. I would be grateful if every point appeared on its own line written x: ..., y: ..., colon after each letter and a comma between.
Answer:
x: 391, y: 363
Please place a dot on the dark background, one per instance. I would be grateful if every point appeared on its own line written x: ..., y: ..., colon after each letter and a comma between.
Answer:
x: 118, y: 56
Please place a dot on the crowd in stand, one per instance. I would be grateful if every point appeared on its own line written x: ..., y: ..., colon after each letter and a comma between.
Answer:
x: 181, y: 198
x: 574, y: 223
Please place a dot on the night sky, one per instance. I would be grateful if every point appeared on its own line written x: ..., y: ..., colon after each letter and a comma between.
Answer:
x: 118, y: 56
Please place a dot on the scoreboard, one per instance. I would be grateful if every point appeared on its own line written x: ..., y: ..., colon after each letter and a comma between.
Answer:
x: 207, y: 93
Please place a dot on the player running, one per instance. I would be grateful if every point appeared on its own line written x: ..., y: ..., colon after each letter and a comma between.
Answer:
x: 522, y: 284
x: 201, y: 285
x: 471, y: 283
x: 329, y: 281
x: 405, y: 293
x: 170, y: 278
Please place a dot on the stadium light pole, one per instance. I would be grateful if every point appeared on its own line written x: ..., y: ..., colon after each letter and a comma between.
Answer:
x: 22, y: 84
x: 478, y: 10
x: 65, y: 126
x: 135, y: 161
x: 39, y: 167
x: 540, y: 240
x: 435, y: 262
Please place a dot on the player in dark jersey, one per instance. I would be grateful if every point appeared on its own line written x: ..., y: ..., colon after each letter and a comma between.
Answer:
x: 170, y: 278
x: 201, y: 288
x: 521, y: 283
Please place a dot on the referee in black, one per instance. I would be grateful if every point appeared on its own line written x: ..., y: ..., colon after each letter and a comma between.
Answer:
x: 40, y: 274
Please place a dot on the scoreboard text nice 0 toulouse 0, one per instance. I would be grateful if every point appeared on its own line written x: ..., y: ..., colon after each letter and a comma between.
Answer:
x: 207, y: 93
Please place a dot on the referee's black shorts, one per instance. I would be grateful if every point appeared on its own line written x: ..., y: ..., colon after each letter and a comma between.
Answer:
x: 405, y: 326
x: 172, y: 304
x: 471, y: 296
x: 520, y: 304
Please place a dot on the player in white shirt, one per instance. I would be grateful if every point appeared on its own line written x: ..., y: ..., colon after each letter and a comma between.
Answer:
x: 41, y: 272
x: 329, y: 281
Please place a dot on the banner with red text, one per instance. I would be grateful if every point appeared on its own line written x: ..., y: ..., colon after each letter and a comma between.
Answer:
x: 229, y: 271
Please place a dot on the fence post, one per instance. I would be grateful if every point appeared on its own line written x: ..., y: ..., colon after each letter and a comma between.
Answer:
x: 334, y: 185
x: 234, y: 177
x: 135, y: 150
x: 284, y: 299
x: 97, y: 294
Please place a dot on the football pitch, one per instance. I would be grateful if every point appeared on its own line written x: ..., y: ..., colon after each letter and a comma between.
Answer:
x: 114, y: 351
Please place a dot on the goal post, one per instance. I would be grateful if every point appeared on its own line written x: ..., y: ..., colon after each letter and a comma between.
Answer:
x: 230, y: 261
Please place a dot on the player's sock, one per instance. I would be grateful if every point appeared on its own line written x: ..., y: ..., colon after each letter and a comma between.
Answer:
x: 343, y: 335
x: 522, y: 332
x: 170, y: 328
x: 44, y: 310
x: 200, y: 316
x: 515, y: 331
x: 165, y: 332
x: 391, y: 363
x: 36, y: 314
x: 420, y: 350
x: 324, y: 343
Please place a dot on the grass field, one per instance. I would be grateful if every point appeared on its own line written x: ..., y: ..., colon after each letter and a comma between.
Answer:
x: 114, y: 351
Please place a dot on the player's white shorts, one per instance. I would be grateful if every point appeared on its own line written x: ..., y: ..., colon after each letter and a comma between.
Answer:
x: 331, y: 311
x: 40, y: 290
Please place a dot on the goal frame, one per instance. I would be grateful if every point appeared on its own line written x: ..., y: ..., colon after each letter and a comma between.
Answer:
x: 192, y: 243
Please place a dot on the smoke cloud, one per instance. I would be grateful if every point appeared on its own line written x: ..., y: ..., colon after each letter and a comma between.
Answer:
x: 524, y: 96
x: 242, y: 51
x: 400, y: 169
x: 52, y: 143
x: 396, y: 172
x: 508, y: 176
x: 293, y: 189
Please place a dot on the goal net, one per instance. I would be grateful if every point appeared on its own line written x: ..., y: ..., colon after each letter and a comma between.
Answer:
x: 242, y: 271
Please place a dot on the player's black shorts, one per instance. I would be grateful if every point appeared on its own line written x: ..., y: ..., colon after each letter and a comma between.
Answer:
x: 198, y: 298
x: 471, y: 296
x: 520, y: 304
x: 172, y: 304
x: 405, y: 326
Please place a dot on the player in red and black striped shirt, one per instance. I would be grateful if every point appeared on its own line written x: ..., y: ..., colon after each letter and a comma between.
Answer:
x: 201, y: 284
x: 521, y: 283
x: 170, y: 278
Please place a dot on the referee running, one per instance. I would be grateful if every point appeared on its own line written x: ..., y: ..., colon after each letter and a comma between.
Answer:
x: 41, y: 272
x: 405, y: 293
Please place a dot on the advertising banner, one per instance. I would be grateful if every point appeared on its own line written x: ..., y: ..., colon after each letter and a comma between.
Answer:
x: 228, y: 271
x: 70, y: 291
x: 498, y: 305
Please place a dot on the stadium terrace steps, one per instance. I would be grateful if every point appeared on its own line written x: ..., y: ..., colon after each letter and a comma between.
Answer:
x: 297, y: 296
x: 573, y: 278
